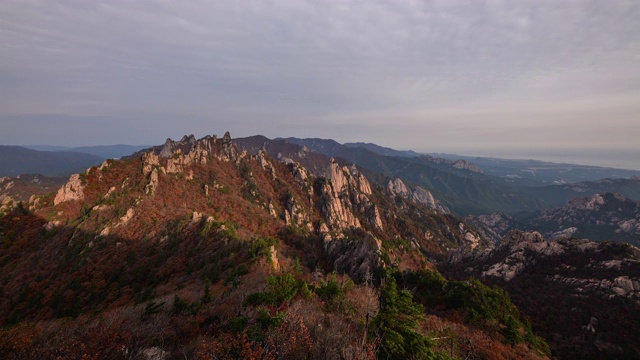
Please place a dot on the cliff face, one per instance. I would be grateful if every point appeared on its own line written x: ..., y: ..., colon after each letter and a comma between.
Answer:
x: 346, y: 193
x: 493, y: 226
x: 568, y: 286
x: 418, y: 195
x: 72, y: 190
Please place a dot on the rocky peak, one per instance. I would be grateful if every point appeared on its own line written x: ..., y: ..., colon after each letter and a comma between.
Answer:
x: 265, y: 164
x: 191, y: 150
x: 72, y: 190
x: 457, y: 164
x: 520, y: 248
x: 229, y: 152
x: 191, y: 139
x: 344, y: 193
x: 7, y: 203
x: 418, y: 195
x: 598, y: 202
x: 426, y: 198
x: 167, y: 149
x: 343, y: 177
x: 592, y: 203
x: 397, y: 187
x: 336, y: 176
x: 466, y: 165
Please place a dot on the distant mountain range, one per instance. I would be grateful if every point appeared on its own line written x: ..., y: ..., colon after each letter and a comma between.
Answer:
x: 16, y: 160
x: 57, y: 160
x: 541, y: 173
x: 462, y: 185
x: 383, y: 150
x: 468, y: 188
x: 521, y: 172
x: 103, y: 151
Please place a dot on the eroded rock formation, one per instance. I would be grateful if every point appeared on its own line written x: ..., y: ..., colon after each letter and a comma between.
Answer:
x: 72, y: 190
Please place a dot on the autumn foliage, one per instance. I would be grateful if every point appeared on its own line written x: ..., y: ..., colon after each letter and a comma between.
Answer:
x: 206, y: 266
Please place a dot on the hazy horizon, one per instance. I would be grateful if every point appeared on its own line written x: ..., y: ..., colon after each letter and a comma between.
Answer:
x: 540, y: 79
x: 614, y: 158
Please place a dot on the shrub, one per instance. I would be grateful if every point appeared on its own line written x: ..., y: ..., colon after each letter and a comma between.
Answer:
x: 238, y: 323
x: 281, y: 289
x: 182, y: 307
x: 152, y: 308
x: 333, y: 294
x: 206, y: 296
x: 260, y: 247
x: 266, y: 320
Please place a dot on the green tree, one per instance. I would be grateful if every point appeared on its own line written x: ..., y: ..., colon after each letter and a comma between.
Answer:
x: 511, y: 330
x: 395, y: 324
x: 206, y: 297
x: 281, y: 288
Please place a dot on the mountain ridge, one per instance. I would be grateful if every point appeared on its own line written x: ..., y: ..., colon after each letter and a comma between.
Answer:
x: 196, y: 244
x: 115, y: 151
x: 16, y: 160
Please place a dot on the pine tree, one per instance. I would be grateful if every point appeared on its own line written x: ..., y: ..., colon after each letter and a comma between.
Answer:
x: 206, y: 297
x: 396, y: 321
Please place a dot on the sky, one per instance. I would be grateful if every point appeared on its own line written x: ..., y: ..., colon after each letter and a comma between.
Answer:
x: 521, y: 79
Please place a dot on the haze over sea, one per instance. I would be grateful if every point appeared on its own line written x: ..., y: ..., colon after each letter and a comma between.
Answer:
x: 615, y: 158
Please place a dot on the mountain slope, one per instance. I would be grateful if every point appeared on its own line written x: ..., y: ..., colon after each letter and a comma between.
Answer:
x: 605, y: 216
x: 583, y: 296
x: 25, y: 188
x: 197, y: 249
x: 382, y: 150
x: 16, y: 160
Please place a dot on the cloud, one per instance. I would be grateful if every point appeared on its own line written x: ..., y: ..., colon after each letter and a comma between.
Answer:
x: 476, y: 72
